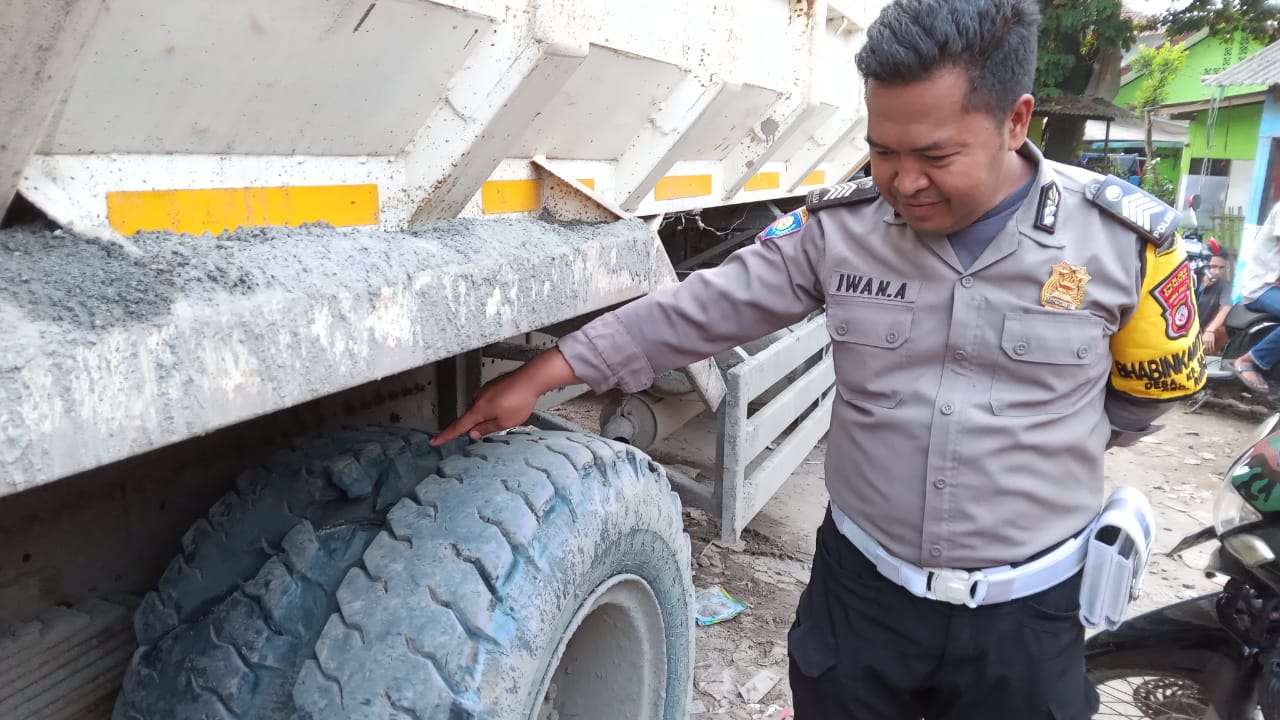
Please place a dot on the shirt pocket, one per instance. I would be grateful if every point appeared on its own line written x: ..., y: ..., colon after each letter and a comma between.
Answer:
x: 1045, y: 362
x: 869, y: 342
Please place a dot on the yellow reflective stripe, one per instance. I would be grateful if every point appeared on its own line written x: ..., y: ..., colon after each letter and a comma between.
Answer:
x: 817, y: 177
x: 674, y: 187
x: 764, y: 181
x: 219, y: 210
x: 510, y: 196
x: 589, y: 182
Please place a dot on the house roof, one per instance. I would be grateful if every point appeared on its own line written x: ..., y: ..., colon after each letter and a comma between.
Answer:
x: 1260, y: 68
x: 1185, y: 110
x: 1162, y: 130
x: 1085, y: 107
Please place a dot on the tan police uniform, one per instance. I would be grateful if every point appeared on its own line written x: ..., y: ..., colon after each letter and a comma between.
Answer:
x: 975, y: 404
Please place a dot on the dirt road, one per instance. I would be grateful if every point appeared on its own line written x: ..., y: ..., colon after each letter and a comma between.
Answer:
x: 1179, y: 468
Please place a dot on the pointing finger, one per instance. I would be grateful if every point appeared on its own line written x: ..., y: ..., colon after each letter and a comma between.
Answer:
x: 486, y: 428
x: 456, y: 428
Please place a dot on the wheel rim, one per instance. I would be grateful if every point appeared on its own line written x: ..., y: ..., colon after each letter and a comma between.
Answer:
x: 612, y: 661
x: 1152, y: 697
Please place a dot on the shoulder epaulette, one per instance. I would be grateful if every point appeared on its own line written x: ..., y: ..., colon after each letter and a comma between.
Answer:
x: 842, y: 194
x: 1145, y: 213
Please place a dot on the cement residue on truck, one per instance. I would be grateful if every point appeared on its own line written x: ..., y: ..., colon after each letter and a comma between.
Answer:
x: 252, y: 257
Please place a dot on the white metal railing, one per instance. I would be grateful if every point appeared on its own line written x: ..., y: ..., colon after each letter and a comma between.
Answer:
x: 804, y: 406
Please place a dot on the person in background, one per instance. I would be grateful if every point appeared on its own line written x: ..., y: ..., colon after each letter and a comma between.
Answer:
x: 1213, y: 301
x: 1259, y: 292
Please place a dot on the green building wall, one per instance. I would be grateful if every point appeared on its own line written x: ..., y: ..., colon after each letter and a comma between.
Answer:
x: 1234, y: 135
x: 1209, y: 56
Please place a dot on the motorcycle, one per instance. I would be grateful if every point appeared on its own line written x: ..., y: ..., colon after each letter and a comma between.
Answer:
x: 1199, y: 250
x: 1245, y: 328
x: 1216, y: 656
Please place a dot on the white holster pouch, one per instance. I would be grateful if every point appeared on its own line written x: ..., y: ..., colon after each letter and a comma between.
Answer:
x: 1118, y: 549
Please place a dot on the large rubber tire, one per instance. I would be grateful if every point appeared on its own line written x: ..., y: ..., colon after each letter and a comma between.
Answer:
x: 464, y: 607
x: 253, y: 585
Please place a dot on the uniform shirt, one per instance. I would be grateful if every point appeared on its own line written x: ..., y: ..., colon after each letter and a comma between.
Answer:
x: 974, y: 404
x: 969, y: 243
x: 1262, y: 264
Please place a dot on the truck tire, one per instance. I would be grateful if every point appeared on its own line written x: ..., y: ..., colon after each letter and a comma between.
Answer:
x: 525, y: 554
x: 275, y: 545
x: 541, y: 575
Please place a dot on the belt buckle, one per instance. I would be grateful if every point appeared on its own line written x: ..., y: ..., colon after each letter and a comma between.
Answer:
x: 958, y: 587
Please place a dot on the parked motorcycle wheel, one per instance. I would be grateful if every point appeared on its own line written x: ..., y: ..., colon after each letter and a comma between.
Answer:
x: 1147, y: 695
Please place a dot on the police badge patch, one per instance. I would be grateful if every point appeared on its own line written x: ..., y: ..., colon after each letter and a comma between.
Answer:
x: 1157, y: 354
x: 786, y: 225
x: 1065, y: 288
x: 1177, y: 301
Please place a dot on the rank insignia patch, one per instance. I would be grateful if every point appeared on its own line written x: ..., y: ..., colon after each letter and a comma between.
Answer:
x: 1047, y: 210
x: 1138, y: 209
x: 786, y: 225
x: 1065, y: 289
x: 843, y: 194
x: 1177, y: 301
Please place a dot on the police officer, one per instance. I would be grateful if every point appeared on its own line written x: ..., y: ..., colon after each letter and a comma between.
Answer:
x: 998, y: 320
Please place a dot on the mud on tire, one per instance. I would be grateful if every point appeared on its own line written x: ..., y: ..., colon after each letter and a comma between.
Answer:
x: 254, y: 581
x: 456, y: 605
x: 459, y: 608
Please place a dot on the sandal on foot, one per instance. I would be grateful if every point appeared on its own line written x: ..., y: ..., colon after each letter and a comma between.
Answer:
x: 1259, y: 385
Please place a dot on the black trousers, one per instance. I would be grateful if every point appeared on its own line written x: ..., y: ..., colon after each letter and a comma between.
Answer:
x: 864, y: 648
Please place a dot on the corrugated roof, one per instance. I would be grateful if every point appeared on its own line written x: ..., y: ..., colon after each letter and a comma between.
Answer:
x: 1260, y: 68
x: 1078, y: 106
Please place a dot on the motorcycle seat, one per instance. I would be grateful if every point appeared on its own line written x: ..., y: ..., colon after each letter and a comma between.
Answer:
x: 1241, y: 317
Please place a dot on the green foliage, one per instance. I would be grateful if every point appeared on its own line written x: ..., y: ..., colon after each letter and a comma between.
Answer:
x: 1073, y: 34
x: 1159, y: 68
x: 1224, y: 18
x: 1154, y: 182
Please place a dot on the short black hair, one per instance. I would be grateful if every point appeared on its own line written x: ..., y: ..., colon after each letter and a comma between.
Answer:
x: 994, y: 40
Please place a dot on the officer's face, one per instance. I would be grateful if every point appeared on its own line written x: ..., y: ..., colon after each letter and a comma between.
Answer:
x: 939, y: 165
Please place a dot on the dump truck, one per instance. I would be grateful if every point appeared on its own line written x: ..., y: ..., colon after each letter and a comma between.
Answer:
x: 254, y: 254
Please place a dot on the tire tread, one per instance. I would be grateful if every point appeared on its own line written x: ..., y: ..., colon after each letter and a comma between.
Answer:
x: 431, y: 555
x: 254, y: 575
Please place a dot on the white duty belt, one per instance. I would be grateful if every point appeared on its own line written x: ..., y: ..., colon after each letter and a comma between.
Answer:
x: 979, y: 587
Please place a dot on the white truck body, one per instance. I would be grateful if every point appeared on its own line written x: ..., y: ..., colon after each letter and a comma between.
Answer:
x: 193, y: 117
x: 662, y: 106
x: 275, y: 218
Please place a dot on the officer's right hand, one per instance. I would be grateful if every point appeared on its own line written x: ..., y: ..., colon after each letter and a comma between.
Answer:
x: 509, y: 400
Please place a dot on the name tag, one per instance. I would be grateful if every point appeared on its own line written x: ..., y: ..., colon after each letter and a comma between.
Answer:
x: 845, y: 283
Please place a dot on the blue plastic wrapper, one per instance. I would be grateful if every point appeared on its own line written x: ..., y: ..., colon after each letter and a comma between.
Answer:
x: 715, y: 605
